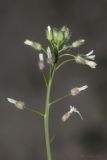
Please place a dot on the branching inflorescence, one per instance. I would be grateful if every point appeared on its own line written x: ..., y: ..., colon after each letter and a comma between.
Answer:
x: 54, y: 55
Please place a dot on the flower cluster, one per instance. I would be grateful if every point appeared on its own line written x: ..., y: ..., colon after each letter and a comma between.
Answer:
x: 58, y: 40
x: 59, y: 46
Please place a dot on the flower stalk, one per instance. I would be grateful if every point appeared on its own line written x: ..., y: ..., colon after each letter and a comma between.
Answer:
x: 46, y: 117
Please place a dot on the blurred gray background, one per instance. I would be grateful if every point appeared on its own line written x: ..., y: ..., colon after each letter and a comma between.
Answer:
x: 21, y: 132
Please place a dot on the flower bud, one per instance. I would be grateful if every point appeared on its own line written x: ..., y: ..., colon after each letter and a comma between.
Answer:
x: 55, y: 35
x: 49, y: 33
x: 49, y: 55
x: 77, y: 90
x: 60, y: 36
x: 37, y: 46
x: 28, y: 42
x: 78, y: 43
x: 34, y: 45
x: 18, y: 104
x: 41, y: 62
x: 65, y: 31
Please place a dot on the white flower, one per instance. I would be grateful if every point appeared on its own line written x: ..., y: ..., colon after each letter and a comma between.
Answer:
x: 49, y: 55
x: 18, y: 104
x: 77, y: 90
x: 87, y: 59
x: 91, y: 64
x: 90, y: 55
x: 67, y: 115
x: 28, y: 42
x: 41, y: 62
x: 41, y: 58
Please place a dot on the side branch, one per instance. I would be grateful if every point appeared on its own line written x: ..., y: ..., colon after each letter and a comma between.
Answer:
x: 60, y: 99
x: 35, y: 111
x: 61, y: 64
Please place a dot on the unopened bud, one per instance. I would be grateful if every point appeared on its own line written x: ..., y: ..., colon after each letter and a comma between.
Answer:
x: 34, y: 45
x: 41, y: 58
x: 49, y: 55
x: 60, y: 36
x: 65, y: 30
x: 78, y: 43
x: 55, y: 35
x: 41, y: 62
x: 28, y: 42
x: 49, y: 33
x: 37, y: 46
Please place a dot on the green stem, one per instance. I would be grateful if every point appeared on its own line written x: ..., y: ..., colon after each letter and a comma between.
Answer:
x: 67, y: 54
x: 35, y: 111
x: 57, y: 129
x: 61, y: 64
x: 46, y: 117
x: 44, y: 78
x: 67, y: 47
x: 60, y: 99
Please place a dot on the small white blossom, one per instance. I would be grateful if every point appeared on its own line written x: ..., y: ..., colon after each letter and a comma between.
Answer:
x: 91, y: 64
x: 18, y: 104
x: 67, y: 115
x: 41, y: 58
x: 85, y: 61
x: 90, y: 55
x: 49, y: 55
x: 77, y: 90
x: 41, y: 62
x: 28, y: 42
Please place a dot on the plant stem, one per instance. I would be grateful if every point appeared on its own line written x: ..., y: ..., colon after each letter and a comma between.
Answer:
x: 46, y: 117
